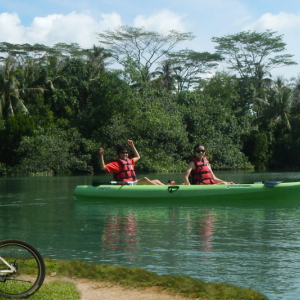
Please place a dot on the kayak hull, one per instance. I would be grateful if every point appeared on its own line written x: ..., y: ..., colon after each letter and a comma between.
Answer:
x: 257, y: 191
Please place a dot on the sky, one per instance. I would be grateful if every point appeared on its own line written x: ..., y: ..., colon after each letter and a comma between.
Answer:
x: 49, y: 22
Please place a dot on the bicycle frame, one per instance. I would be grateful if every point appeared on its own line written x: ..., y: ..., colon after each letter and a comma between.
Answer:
x: 12, y: 269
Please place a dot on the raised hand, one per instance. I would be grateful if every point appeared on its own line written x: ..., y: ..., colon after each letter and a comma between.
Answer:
x: 130, y: 143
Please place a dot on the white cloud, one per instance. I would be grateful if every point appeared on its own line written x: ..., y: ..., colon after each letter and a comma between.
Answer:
x: 161, y: 21
x: 10, y: 27
x: 288, y: 25
x: 75, y: 27
x: 281, y: 21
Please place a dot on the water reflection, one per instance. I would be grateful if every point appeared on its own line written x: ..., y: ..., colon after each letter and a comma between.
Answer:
x: 206, y: 230
x: 120, y: 234
x: 124, y: 232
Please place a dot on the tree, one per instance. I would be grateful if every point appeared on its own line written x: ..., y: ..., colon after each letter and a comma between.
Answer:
x: 10, y: 101
x: 70, y: 91
x: 15, y: 128
x: 166, y: 75
x: 106, y: 97
x: 97, y: 60
x: 226, y: 88
x: 252, y: 54
x: 208, y: 121
x: 260, y: 150
x: 296, y: 82
x: 190, y: 64
x: 133, y: 47
x: 72, y: 50
x: 276, y: 107
x: 55, y: 151
x: 12, y: 89
x: 151, y: 119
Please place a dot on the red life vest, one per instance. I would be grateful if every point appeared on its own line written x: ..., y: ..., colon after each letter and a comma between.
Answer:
x: 126, y: 171
x: 202, y: 173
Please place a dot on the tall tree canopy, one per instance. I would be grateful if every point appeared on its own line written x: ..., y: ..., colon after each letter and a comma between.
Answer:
x: 190, y: 64
x: 252, y: 54
x: 137, y: 49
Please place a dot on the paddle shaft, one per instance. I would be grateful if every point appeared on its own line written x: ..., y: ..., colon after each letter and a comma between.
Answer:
x: 97, y: 183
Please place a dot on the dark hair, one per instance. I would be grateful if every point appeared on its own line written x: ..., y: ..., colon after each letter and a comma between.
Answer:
x: 197, y: 146
x: 189, y: 158
x: 121, y: 148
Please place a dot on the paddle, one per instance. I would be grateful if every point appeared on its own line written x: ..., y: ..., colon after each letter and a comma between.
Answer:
x: 97, y: 183
x: 271, y: 183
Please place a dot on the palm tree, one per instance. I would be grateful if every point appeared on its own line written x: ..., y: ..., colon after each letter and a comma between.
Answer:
x: 277, y: 105
x: 54, y: 65
x: 12, y: 89
x: 296, y: 82
x: 295, y: 85
x: 10, y: 101
x: 166, y: 73
x: 97, y: 60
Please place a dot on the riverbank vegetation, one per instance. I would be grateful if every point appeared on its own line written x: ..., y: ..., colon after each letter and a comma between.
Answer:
x: 132, y: 278
x: 139, y: 278
x: 59, y: 104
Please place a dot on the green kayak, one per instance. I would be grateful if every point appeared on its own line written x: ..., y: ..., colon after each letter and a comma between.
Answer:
x: 270, y: 190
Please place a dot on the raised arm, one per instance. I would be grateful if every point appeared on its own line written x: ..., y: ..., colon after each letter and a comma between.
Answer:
x: 102, y: 164
x: 135, y: 152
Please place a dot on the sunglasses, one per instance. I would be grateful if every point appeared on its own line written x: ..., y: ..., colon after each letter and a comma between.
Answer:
x: 123, y: 152
x: 198, y: 151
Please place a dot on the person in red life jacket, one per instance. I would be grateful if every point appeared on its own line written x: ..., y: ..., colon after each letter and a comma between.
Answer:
x: 123, y: 167
x: 199, y: 171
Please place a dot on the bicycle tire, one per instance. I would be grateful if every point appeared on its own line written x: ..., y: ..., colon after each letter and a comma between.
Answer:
x: 30, y: 267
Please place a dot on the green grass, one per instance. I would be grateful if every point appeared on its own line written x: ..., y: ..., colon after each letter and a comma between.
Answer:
x: 136, y: 278
x: 139, y: 278
x: 55, y: 290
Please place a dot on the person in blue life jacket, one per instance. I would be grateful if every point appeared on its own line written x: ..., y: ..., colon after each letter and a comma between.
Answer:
x: 199, y: 170
x: 123, y: 166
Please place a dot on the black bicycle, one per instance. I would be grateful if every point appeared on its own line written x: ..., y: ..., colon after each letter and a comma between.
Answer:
x: 22, y: 269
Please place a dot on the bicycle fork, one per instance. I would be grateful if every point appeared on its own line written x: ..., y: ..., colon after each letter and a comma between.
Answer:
x: 12, y: 269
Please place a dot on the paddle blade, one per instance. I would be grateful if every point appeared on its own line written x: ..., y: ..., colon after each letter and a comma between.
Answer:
x: 271, y: 183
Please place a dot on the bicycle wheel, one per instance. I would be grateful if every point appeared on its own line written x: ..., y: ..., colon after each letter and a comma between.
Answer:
x: 29, y: 265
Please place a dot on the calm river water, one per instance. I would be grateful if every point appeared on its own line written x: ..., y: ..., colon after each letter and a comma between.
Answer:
x: 253, y: 245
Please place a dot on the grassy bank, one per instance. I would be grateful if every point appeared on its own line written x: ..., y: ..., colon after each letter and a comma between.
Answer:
x: 55, y: 290
x: 136, y: 278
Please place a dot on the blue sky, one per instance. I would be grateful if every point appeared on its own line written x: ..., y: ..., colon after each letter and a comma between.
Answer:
x: 51, y: 21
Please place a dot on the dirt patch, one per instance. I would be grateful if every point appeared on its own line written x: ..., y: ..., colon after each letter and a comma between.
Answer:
x: 95, y: 290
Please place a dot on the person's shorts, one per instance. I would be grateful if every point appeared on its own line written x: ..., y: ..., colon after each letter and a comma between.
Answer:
x: 132, y: 182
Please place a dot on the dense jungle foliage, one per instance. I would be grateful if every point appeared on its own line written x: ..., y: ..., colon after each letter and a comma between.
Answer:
x: 59, y: 104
